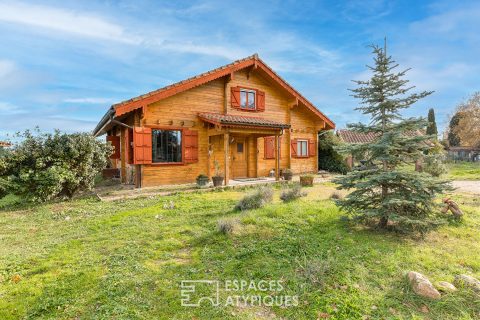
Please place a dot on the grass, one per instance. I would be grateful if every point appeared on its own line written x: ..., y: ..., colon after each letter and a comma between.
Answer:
x: 464, y: 171
x: 125, y: 259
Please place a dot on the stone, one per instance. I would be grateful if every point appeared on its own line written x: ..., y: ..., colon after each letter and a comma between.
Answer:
x: 463, y: 280
x: 422, y: 286
x: 445, y: 286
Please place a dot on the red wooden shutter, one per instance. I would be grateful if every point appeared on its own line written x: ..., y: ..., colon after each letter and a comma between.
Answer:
x: 142, y: 145
x: 115, y: 142
x: 260, y: 101
x: 190, y: 140
x: 235, y: 97
x: 269, y: 149
x: 294, y: 148
x: 312, y: 150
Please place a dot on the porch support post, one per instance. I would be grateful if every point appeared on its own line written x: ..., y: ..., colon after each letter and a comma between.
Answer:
x: 277, y: 157
x: 209, y: 155
x: 226, y: 147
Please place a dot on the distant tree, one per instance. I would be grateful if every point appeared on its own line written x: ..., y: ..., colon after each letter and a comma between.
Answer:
x: 43, y: 166
x: 468, y: 127
x: 432, y: 125
x: 453, y: 138
x: 382, y: 191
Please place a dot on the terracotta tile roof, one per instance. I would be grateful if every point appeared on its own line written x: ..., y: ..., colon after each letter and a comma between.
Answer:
x: 253, y: 60
x: 237, y: 120
x: 5, y: 144
x: 350, y: 136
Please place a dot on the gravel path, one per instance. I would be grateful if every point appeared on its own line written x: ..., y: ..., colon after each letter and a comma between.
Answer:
x: 467, y: 186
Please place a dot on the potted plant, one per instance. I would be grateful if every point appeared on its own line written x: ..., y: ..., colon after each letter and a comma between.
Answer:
x: 218, y: 177
x: 202, y: 180
x: 306, y: 180
x: 287, y: 174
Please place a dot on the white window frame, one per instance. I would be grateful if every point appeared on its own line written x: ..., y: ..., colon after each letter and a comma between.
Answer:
x: 301, y: 142
x: 247, y: 91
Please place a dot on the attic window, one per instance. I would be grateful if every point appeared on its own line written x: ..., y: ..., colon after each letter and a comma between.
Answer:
x: 247, y: 99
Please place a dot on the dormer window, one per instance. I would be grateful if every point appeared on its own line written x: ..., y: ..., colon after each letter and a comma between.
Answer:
x: 247, y: 99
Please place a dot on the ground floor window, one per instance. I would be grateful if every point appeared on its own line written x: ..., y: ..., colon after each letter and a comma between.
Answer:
x: 166, y: 146
x: 302, y: 148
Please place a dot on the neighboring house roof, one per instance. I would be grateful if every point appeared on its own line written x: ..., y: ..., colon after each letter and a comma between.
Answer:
x: 165, y: 92
x: 350, y: 136
x: 5, y: 144
x: 237, y: 120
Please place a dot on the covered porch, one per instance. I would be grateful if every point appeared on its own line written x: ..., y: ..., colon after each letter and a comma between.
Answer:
x: 233, y: 146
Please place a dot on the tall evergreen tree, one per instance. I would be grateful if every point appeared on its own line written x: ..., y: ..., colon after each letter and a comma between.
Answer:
x: 382, y: 192
x: 432, y: 124
x: 453, y: 138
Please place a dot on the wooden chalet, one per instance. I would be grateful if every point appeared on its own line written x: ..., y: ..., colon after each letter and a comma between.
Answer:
x: 242, y: 118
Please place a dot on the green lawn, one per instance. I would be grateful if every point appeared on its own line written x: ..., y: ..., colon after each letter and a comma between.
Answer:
x: 464, y: 171
x: 124, y: 260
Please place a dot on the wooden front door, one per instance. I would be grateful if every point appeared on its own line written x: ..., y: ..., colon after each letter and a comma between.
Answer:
x: 239, y: 158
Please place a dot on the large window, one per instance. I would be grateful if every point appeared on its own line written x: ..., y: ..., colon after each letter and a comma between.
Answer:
x: 166, y: 146
x: 302, y: 148
x: 247, y: 99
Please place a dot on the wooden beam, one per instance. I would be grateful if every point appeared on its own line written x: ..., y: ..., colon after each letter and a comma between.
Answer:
x: 226, y: 147
x: 277, y: 157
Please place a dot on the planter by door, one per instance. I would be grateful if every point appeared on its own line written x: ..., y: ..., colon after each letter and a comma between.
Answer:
x: 217, y: 181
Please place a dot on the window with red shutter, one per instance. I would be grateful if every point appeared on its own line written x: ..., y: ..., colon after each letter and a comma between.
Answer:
x: 115, y: 142
x: 190, y: 138
x: 142, y: 145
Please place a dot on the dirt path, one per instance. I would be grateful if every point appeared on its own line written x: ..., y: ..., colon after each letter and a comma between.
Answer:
x: 467, y: 186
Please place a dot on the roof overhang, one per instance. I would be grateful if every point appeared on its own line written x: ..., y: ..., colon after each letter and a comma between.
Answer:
x: 228, y: 120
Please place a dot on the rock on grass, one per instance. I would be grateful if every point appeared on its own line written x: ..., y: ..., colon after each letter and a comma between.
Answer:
x: 422, y: 286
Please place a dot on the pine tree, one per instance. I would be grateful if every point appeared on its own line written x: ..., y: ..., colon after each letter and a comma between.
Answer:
x: 432, y: 124
x: 383, y: 192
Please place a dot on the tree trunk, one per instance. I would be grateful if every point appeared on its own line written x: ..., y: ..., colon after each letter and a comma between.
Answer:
x: 383, y: 222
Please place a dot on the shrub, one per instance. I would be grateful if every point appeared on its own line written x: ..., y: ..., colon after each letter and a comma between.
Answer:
x: 328, y: 158
x: 434, y: 164
x: 256, y: 199
x: 226, y: 226
x: 336, y: 195
x: 293, y: 192
x: 45, y: 166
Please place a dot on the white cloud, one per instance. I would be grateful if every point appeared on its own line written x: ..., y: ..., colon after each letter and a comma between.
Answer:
x: 66, y: 21
x: 7, y: 108
x: 91, y: 100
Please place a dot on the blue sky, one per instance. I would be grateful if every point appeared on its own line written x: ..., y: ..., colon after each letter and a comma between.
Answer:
x: 62, y: 63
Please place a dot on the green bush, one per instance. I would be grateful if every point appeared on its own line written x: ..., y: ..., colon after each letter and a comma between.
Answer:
x: 434, y: 164
x: 328, y: 158
x: 44, y: 166
x: 292, y: 192
x: 255, y: 200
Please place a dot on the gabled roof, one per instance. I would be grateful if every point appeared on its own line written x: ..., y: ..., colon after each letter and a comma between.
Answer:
x: 165, y: 92
x: 240, y: 120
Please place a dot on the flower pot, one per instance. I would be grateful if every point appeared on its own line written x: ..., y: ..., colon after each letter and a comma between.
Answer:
x: 306, y: 181
x: 217, y: 181
x: 287, y: 176
x: 202, y: 181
